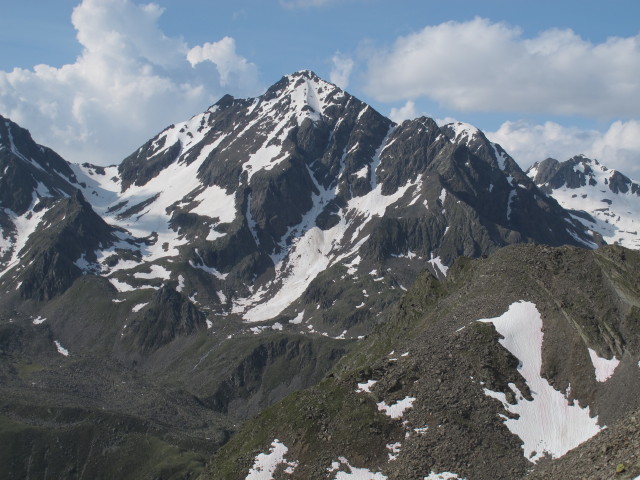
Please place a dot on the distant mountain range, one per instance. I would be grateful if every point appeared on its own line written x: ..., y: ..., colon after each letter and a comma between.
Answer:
x: 243, y: 255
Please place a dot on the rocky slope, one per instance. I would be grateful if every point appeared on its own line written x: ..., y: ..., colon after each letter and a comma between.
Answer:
x: 510, y: 362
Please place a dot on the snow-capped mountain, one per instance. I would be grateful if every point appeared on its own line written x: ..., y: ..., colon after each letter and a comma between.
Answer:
x: 610, y: 200
x: 249, y: 205
x: 48, y: 231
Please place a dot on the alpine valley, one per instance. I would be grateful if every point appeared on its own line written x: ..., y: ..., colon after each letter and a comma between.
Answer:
x: 295, y: 287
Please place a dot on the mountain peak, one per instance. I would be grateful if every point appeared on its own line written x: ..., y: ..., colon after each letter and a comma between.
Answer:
x: 305, y: 73
x: 607, y: 196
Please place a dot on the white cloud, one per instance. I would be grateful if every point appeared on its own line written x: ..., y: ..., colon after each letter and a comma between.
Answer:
x: 483, y: 66
x: 618, y: 147
x: 341, y: 71
x: 407, y: 112
x: 233, y: 69
x: 129, y: 82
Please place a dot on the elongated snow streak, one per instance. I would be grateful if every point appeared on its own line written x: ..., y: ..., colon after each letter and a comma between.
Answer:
x: 316, y: 250
x: 547, y: 424
x: 604, y: 368
x: 61, y: 349
x: 375, y: 163
x: 265, y: 464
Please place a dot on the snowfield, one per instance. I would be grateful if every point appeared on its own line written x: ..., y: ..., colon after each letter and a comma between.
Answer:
x: 548, y: 424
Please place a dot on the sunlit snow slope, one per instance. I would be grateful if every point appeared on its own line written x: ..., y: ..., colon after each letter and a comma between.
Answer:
x: 611, y: 200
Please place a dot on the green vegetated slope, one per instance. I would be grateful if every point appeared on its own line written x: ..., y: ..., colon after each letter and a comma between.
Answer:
x: 72, y: 443
x: 109, y: 410
x: 432, y: 349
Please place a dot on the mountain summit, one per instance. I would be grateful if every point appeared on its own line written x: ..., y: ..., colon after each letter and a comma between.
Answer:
x: 245, y: 205
x: 604, y: 200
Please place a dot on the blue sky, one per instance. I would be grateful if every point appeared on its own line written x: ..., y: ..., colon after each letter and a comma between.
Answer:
x: 94, y: 79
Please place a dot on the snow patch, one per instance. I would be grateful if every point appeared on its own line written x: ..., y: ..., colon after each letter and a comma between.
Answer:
x: 139, y: 307
x: 366, y: 387
x: 213, y: 202
x: 442, y: 476
x: 265, y: 464
x: 298, y: 319
x: 437, y: 264
x: 396, y: 410
x: 121, y: 286
x: 394, y: 450
x: 354, y: 473
x: 548, y: 424
x: 463, y: 131
x: 157, y: 271
x: 204, y: 268
x: 39, y: 320
x: 61, y: 350
x: 442, y: 198
x: 604, y: 368
x: 314, y: 251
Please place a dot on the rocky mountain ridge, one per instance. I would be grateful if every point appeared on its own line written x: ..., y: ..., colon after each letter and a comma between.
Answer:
x: 510, y: 362
x: 233, y: 260
x: 606, y: 201
x: 243, y: 206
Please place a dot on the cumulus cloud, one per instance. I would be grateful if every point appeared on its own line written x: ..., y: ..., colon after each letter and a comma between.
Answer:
x: 618, y: 147
x: 341, y: 71
x: 130, y: 81
x: 483, y: 66
x: 406, y: 112
x: 233, y: 69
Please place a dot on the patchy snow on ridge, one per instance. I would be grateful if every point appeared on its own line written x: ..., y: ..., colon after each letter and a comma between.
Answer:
x: 463, y: 130
x: 265, y: 464
x: 437, y: 264
x: 354, y: 473
x: 394, y: 450
x: 396, y: 410
x: 604, y: 368
x: 366, y: 387
x: 548, y: 424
